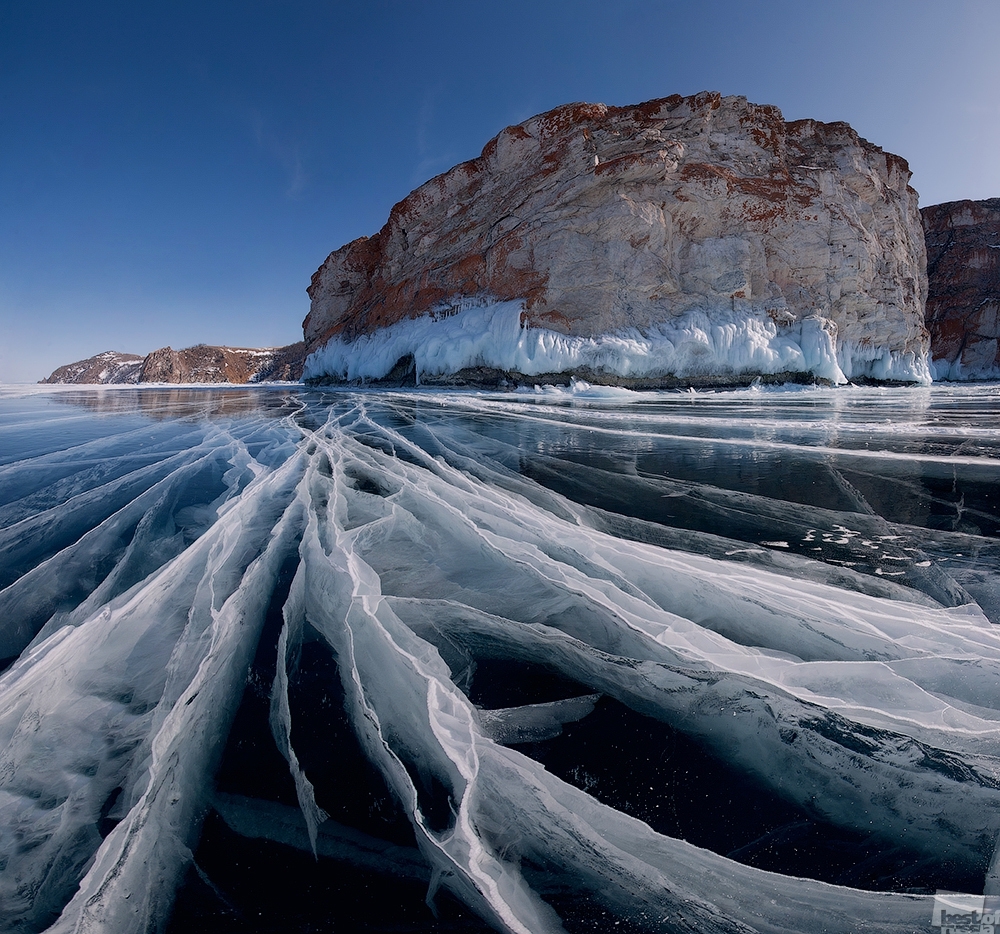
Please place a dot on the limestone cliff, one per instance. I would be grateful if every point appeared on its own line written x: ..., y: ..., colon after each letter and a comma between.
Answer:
x: 199, y: 364
x: 963, y: 299
x: 704, y: 223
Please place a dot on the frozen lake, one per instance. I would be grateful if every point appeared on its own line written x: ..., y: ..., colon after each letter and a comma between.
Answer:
x: 565, y: 660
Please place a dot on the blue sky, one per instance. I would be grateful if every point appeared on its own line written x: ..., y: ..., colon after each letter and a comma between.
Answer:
x: 174, y: 173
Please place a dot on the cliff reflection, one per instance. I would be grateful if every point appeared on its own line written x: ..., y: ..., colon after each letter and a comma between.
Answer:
x: 188, y: 402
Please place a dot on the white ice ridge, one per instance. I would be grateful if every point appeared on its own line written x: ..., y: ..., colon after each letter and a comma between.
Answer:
x: 875, y: 362
x: 957, y: 371
x: 699, y: 343
x: 417, y: 544
x: 729, y: 341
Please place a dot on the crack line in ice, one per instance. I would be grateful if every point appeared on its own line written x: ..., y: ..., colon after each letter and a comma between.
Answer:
x: 293, y: 614
x: 416, y: 543
x: 459, y: 850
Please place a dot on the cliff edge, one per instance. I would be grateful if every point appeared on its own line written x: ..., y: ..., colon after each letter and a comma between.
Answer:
x: 697, y: 238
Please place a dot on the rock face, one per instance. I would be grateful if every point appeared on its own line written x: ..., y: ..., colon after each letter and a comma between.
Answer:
x: 963, y: 299
x: 107, y: 367
x: 200, y: 364
x: 678, y: 217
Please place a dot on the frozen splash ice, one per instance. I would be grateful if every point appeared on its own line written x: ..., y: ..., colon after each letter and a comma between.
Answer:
x: 742, y: 341
x: 721, y: 343
x: 607, y: 550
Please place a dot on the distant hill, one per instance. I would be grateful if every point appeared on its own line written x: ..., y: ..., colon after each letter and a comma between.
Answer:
x: 199, y: 364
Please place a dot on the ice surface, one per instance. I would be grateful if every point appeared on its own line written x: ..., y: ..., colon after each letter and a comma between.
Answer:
x: 487, y: 577
x: 534, y: 722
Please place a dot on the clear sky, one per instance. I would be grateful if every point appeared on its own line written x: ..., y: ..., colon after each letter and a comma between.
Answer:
x: 173, y: 173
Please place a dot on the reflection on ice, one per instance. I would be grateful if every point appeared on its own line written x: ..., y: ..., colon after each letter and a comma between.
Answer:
x: 678, y: 663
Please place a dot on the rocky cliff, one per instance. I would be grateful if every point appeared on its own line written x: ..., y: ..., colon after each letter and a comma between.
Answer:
x: 200, y: 364
x: 963, y: 299
x: 685, y: 237
x: 107, y: 367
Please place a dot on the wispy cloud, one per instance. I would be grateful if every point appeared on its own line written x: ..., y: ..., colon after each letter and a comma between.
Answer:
x: 288, y: 155
x: 430, y: 162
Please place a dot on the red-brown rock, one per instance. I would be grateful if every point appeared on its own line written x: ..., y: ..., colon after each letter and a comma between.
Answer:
x: 199, y: 364
x: 963, y: 298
